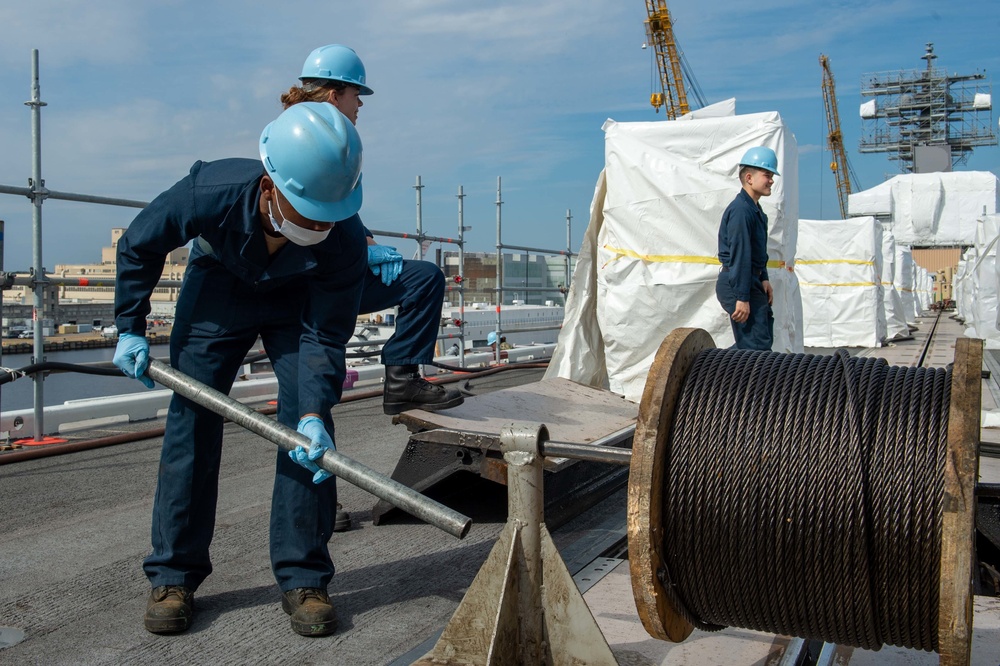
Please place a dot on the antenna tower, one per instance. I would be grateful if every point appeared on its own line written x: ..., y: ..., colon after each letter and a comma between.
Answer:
x: 925, y: 119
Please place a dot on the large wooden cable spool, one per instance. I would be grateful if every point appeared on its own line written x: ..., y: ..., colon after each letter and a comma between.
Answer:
x: 664, y: 619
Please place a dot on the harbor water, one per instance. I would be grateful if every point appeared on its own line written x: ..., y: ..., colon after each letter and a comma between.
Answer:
x: 62, y: 386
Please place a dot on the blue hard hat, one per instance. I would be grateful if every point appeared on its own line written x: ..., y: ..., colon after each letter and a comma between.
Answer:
x: 762, y: 158
x: 312, y: 152
x: 335, y: 62
x: 491, y: 338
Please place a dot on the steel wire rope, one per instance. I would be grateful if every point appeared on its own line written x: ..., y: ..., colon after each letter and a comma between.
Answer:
x: 804, y: 496
x: 799, y: 374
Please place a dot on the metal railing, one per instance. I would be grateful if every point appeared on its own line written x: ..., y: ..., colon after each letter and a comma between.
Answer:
x: 567, y: 254
x: 38, y: 279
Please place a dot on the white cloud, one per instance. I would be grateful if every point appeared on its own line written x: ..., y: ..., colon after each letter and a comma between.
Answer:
x: 464, y: 92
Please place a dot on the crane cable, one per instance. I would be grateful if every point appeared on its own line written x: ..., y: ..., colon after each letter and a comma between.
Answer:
x: 778, y: 522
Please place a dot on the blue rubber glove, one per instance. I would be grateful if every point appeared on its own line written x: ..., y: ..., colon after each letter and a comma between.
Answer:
x: 132, y: 357
x: 320, y: 441
x: 385, y: 262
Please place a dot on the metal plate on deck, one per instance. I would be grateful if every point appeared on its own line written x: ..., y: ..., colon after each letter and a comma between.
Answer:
x: 573, y: 413
x: 10, y: 636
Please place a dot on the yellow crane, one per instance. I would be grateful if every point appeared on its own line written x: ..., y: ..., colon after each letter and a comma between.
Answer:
x: 841, y: 168
x: 660, y: 36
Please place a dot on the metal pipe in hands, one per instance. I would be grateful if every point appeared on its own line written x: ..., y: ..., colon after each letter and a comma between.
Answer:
x: 336, y: 463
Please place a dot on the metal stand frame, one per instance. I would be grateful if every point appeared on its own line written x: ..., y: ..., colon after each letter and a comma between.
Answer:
x: 523, y: 606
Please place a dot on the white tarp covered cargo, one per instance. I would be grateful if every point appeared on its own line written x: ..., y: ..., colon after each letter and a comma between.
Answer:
x: 980, y: 280
x: 936, y: 209
x: 959, y: 288
x: 906, y: 278
x: 649, y: 261
x: 923, y: 288
x: 873, y: 201
x: 839, y: 267
x: 892, y: 303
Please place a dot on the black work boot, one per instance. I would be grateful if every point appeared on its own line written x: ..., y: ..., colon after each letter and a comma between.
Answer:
x: 312, y: 614
x: 406, y: 389
x: 169, y: 609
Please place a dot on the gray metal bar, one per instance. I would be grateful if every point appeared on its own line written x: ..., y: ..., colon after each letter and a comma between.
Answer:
x: 569, y: 251
x: 420, y: 218
x: 827, y: 655
x: 37, y: 186
x: 2, y: 223
x: 499, y: 288
x: 70, y: 196
x: 531, y: 329
x: 603, y: 450
x: 594, y: 453
x: 533, y: 249
x: 527, y: 289
x: 521, y: 451
x: 416, y: 237
x: 795, y: 651
x: 334, y: 462
x: 82, y: 281
x: 461, y: 269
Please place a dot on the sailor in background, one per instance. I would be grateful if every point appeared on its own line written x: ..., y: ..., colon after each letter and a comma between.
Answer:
x: 743, y: 287
x: 335, y: 74
x: 279, y: 253
x: 491, y: 340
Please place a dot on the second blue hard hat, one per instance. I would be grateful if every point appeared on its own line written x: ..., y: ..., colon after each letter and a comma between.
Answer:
x: 335, y: 62
x: 312, y: 152
x: 762, y: 158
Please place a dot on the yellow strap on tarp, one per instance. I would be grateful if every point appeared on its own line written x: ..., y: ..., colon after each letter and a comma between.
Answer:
x: 856, y: 262
x: 836, y: 284
x: 661, y: 258
x: 672, y: 258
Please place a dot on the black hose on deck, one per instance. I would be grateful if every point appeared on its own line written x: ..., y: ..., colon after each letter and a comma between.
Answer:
x: 104, y: 369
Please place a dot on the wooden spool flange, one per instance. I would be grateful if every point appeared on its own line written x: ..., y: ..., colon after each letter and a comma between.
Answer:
x: 646, y: 480
x: 958, y: 527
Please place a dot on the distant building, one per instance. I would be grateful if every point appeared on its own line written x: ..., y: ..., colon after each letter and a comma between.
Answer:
x: 521, y: 273
x: 86, y: 303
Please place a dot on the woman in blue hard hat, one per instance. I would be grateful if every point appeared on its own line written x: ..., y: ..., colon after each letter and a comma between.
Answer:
x: 335, y: 74
x: 743, y: 287
x: 279, y: 253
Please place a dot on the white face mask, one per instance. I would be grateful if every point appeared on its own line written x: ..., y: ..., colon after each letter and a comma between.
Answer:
x: 293, y: 232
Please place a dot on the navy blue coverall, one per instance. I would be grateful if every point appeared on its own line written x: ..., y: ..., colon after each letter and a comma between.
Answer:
x: 302, y: 302
x: 419, y: 292
x: 743, y: 253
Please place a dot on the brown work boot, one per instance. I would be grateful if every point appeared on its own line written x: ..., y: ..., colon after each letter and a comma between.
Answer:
x: 312, y: 614
x: 169, y: 609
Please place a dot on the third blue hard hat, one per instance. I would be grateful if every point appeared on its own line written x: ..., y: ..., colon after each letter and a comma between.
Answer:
x: 762, y: 158
x: 335, y: 62
x: 312, y: 152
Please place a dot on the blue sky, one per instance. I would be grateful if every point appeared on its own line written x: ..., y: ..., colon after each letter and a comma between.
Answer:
x: 464, y: 92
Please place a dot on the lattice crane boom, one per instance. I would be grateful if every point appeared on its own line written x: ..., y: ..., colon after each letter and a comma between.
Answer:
x: 660, y: 36
x: 834, y: 139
